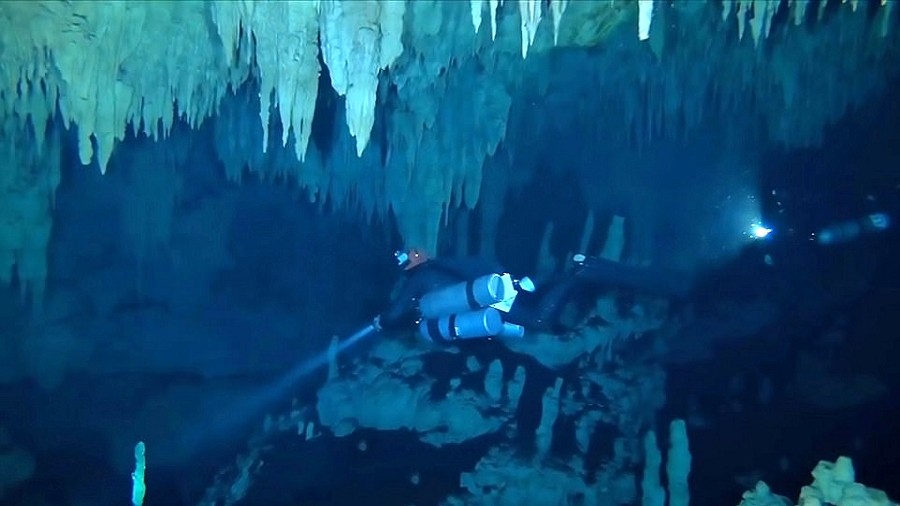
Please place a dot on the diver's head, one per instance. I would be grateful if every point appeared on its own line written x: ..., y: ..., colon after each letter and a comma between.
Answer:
x: 410, y: 258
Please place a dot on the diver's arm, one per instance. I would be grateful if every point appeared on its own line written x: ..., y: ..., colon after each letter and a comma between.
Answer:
x: 402, y: 311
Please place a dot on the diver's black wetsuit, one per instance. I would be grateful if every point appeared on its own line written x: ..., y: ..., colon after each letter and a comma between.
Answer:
x: 542, y: 309
x: 538, y: 310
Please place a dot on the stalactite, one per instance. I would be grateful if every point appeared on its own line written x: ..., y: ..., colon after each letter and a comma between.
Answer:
x: 111, y: 65
x: 28, y: 181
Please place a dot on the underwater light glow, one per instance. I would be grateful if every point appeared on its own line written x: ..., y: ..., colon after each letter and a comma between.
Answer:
x: 758, y: 231
x: 243, y: 410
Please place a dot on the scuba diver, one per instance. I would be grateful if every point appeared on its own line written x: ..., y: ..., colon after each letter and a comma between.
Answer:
x: 452, y: 298
x: 467, y: 298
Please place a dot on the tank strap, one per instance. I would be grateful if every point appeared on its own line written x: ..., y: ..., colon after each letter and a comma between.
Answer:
x: 451, y: 321
x: 470, y: 295
x: 435, y: 332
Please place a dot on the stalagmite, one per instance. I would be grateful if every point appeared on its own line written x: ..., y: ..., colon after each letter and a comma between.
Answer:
x: 546, y: 264
x: 615, y: 240
x: 587, y: 233
x: 549, y: 413
x: 514, y: 387
x: 493, y: 380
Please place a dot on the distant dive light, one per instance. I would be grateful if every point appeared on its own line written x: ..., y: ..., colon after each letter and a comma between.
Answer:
x: 758, y: 231
x: 849, y: 230
x: 402, y: 258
